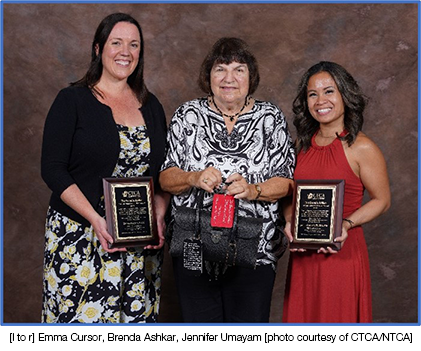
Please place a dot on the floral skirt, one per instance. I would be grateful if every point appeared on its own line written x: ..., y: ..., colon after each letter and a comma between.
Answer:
x: 85, y: 284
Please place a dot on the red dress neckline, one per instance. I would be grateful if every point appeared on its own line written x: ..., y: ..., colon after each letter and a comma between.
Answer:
x: 316, y: 146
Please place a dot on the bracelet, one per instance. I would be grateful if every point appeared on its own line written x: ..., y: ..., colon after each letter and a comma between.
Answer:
x: 349, y: 221
x: 259, y: 190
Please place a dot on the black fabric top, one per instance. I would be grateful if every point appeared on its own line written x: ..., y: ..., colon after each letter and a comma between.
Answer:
x: 81, y: 145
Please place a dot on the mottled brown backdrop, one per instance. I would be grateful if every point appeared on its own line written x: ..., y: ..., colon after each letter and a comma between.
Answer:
x: 46, y: 46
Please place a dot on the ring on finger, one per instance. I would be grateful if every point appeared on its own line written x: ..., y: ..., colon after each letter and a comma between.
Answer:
x: 205, y: 180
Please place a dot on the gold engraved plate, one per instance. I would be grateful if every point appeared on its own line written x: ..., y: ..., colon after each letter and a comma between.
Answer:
x: 317, y: 213
x: 129, y: 211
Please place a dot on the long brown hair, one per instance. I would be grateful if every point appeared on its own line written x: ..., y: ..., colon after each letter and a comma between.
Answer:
x: 93, y: 75
x: 354, y: 103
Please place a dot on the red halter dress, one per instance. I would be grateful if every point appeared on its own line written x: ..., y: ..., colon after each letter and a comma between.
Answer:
x: 332, y: 288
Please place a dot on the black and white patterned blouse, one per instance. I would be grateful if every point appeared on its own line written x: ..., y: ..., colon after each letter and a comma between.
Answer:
x: 259, y: 148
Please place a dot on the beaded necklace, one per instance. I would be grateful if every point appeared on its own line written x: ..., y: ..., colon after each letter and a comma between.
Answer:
x: 231, y: 117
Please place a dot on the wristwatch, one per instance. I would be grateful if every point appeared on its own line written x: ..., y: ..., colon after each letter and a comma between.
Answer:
x: 259, y: 190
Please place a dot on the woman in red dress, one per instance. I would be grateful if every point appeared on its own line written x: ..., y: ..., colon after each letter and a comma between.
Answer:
x: 327, y: 286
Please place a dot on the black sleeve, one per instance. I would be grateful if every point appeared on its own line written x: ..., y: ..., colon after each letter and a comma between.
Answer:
x: 154, y: 116
x: 57, y: 142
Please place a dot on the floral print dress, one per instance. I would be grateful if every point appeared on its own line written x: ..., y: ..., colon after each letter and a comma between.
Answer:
x: 85, y: 284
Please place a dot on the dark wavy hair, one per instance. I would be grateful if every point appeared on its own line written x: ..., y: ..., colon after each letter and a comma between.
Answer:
x: 93, y: 75
x: 226, y: 51
x: 354, y: 104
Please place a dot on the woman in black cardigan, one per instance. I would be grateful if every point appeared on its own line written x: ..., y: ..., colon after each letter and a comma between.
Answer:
x: 105, y: 125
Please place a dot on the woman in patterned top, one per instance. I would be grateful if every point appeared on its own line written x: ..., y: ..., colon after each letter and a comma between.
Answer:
x: 107, y: 124
x: 230, y: 140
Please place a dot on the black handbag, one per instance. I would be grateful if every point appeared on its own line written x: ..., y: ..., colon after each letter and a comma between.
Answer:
x: 236, y: 246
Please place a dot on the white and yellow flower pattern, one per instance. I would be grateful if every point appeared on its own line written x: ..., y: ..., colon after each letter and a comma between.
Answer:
x: 85, y: 284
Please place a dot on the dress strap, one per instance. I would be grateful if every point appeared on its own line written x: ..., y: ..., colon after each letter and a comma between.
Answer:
x: 344, y: 132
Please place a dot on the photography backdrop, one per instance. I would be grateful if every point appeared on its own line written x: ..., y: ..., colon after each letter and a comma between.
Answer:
x: 46, y: 46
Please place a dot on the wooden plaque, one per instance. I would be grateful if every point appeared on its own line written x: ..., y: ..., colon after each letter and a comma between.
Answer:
x: 317, y: 213
x: 130, y: 212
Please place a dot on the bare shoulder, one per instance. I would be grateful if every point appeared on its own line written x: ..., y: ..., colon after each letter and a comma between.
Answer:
x: 364, y: 148
x: 363, y: 143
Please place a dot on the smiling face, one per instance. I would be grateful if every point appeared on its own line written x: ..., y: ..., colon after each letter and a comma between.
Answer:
x: 120, y: 55
x: 230, y: 83
x: 324, y: 100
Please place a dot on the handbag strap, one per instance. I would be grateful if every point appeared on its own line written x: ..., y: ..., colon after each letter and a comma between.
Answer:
x: 199, y: 207
x: 234, y: 229
x: 231, y: 255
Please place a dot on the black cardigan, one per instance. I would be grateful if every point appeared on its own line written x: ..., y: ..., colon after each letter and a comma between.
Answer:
x: 81, y: 145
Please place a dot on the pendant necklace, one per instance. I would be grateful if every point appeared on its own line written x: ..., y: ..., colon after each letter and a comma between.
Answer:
x: 231, y: 117
x: 328, y: 137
